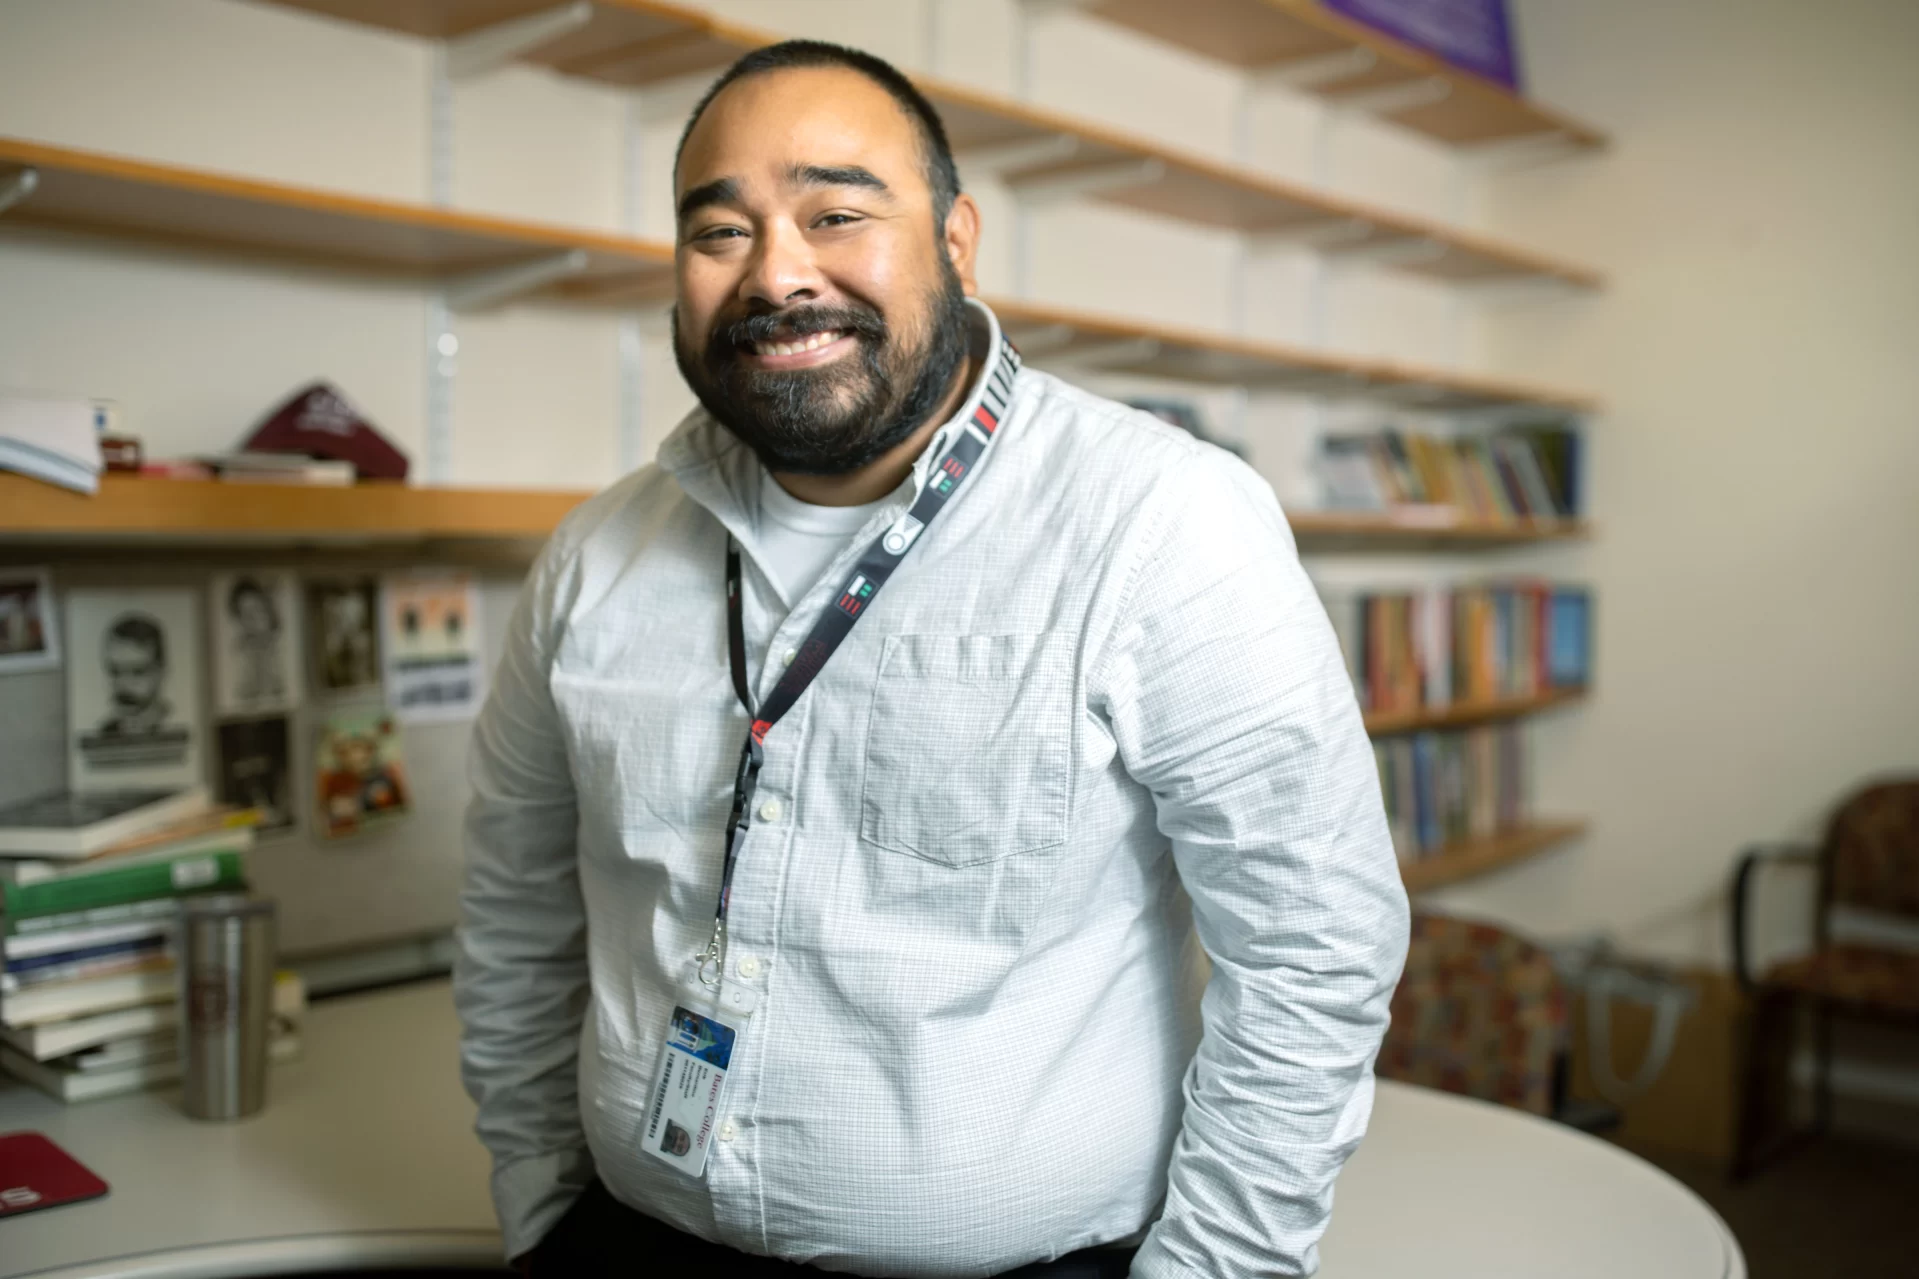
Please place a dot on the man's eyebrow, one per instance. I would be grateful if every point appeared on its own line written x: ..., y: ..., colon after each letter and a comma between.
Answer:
x: 836, y: 175
x: 718, y: 191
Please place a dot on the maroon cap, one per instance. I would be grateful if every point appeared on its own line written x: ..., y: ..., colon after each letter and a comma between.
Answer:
x: 319, y: 422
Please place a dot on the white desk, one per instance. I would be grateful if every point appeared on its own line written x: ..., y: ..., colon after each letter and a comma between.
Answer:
x: 365, y: 1157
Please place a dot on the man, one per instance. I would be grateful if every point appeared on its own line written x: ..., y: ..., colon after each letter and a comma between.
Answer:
x: 255, y: 637
x: 942, y: 678
x: 134, y: 654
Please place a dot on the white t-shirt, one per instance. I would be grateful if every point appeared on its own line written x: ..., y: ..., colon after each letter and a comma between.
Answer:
x: 798, y: 539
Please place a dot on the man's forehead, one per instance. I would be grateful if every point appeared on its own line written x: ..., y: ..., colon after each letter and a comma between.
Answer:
x: 771, y: 124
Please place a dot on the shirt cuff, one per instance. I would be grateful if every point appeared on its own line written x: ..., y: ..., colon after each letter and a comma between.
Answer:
x: 530, y: 1195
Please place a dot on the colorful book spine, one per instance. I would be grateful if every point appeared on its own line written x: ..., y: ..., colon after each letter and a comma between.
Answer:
x: 112, y: 887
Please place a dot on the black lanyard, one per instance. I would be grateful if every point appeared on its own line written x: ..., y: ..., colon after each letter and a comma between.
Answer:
x: 850, y: 603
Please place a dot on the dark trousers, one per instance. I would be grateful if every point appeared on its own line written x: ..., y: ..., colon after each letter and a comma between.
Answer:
x: 599, y: 1235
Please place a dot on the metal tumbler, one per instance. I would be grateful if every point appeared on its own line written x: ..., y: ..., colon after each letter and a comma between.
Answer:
x: 226, y: 1003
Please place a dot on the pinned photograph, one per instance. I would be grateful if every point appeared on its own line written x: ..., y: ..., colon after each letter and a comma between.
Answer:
x: 254, y: 670
x: 133, y: 688
x: 359, y: 773
x: 29, y: 637
x: 343, y: 617
x: 256, y: 771
x: 430, y: 638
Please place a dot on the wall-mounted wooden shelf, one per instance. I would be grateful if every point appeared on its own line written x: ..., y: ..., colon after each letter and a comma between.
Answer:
x: 1465, y: 714
x: 1349, y: 531
x: 1350, y: 58
x: 635, y: 43
x: 1474, y: 857
x: 1071, y: 338
x: 89, y: 191
x: 130, y: 509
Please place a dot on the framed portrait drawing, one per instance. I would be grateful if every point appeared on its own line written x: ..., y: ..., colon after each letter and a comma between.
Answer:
x: 133, y: 688
x: 254, y: 622
x: 29, y: 629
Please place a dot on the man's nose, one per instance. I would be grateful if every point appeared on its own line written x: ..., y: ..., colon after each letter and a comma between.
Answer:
x: 783, y: 269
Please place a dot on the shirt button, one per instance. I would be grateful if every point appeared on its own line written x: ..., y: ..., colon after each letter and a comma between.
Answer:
x: 791, y: 653
x: 728, y: 1131
x: 750, y: 966
x: 770, y: 811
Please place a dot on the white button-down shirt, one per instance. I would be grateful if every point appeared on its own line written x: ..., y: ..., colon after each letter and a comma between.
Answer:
x: 1100, y: 678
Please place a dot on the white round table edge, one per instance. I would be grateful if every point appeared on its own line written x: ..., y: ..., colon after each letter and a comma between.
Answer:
x: 296, y: 1254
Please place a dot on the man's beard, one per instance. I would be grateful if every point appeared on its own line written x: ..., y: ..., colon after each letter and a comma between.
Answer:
x: 837, y: 418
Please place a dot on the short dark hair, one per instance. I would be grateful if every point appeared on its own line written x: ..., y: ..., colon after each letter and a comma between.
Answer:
x: 244, y: 586
x: 142, y: 629
x: 941, y: 173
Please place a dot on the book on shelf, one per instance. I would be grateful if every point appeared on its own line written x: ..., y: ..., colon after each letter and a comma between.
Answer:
x: 116, y: 1053
x: 55, y: 439
x: 159, y: 876
x: 32, y: 971
x: 87, y: 823
x: 68, y: 1082
x: 231, y: 828
x: 1507, y: 478
x: 1442, y: 788
x: 142, y: 1024
x: 1437, y: 647
x: 57, y: 1001
x: 278, y: 468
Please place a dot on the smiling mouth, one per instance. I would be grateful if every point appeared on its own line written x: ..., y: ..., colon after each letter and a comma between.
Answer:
x: 799, y: 346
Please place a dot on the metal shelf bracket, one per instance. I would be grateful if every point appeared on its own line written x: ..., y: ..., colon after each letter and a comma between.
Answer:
x: 18, y: 187
x: 477, y: 52
x: 479, y: 290
x: 1052, y: 188
x: 1396, y: 97
x: 1003, y: 158
x: 1318, y: 69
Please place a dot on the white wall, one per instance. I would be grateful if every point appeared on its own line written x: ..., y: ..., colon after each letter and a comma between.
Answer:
x: 1753, y: 480
x: 1757, y: 472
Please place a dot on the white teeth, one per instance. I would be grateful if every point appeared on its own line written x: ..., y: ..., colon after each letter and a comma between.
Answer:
x: 811, y: 343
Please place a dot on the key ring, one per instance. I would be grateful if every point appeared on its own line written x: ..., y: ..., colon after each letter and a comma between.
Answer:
x: 714, y: 954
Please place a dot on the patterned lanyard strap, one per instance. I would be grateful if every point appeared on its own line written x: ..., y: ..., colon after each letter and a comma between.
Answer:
x: 852, y: 600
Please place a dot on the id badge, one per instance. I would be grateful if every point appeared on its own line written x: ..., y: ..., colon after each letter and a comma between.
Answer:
x: 702, y: 1036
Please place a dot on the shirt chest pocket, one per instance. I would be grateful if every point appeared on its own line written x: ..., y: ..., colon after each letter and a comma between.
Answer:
x: 969, y: 749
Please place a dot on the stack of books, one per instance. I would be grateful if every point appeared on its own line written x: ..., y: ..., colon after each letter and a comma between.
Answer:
x: 1441, y: 788
x: 56, y: 439
x: 1520, y: 475
x: 1441, y: 646
x: 90, y: 886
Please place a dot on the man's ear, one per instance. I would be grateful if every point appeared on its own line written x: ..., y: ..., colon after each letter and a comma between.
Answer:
x: 961, y: 240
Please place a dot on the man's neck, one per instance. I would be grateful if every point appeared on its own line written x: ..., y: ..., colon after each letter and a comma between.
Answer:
x: 882, y: 475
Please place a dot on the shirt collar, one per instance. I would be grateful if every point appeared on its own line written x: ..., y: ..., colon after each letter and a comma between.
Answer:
x: 722, y: 475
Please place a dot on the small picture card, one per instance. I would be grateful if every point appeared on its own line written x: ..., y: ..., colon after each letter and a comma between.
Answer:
x: 133, y: 689
x: 431, y: 642
x: 254, y: 624
x: 359, y: 772
x: 686, y: 1094
x: 343, y: 616
x: 256, y: 764
x: 29, y: 630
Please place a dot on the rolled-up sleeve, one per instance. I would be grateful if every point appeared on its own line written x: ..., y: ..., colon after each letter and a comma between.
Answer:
x: 520, y: 979
x: 1225, y: 692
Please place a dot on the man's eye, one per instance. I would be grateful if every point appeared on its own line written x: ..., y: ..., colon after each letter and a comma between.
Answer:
x: 718, y: 233
x: 838, y: 219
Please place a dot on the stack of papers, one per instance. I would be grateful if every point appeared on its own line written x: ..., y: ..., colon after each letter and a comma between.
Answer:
x: 52, y: 439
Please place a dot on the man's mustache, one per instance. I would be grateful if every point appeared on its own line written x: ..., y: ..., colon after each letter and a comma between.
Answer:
x: 801, y: 322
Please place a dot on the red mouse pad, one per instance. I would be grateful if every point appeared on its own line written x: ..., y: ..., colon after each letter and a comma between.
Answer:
x: 35, y: 1173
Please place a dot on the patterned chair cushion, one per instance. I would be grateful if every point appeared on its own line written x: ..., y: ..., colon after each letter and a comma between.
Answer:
x: 1872, y: 849
x: 1864, y: 977
x: 1478, y: 1012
